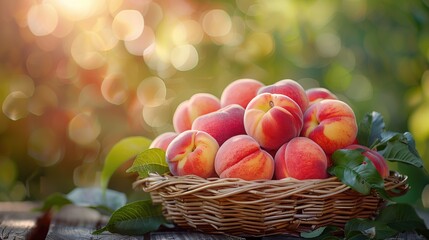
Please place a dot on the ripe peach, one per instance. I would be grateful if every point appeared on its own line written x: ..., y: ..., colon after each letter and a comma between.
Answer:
x: 192, y: 152
x: 289, y: 88
x: 222, y: 124
x: 331, y: 124
x: 272, y: 120
x: 240, y: 92
x: 319, y: 93
x: 242, y: 157
x: 163, y: 140
x: 376, y: 158
x: 301, y: 158
x: 198, y: 105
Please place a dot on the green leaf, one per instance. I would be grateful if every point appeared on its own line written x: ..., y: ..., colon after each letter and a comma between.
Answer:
x: 150, y: 161
x: 357, y: 171
x: 97, y: 198
x: 122, y: 151
x: 316, y: 233
x: 402, y: 149
x: 136, y: 218
x: 401, y: 217
x: 365, y: 229
x: 55, y: 200
x: 321, y: 233
x: 370, y: 129
x: 411, y: 144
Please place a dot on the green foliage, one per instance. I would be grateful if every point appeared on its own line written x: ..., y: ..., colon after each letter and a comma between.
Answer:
x: 357, y: 171
x: 370, y: 129
x: 322, y: 233
x: 149, y: 161
x: 393, y: 146
x: 393, y: 219
x: 135, y: 218
x: 121, y: 152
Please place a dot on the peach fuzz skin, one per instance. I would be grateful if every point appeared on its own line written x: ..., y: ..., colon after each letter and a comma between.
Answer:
x: 301, y: 158
x: 163, y: 140
x: 187, y: 111
x: 272, y: 120
x: 319, y: 93
x: 222, y: 124
x: 289, y: 88
x: 242, y: 157
x: 376, y: 158
x: 192, y: 153
x: 240, y: 92
x: 331, y: 124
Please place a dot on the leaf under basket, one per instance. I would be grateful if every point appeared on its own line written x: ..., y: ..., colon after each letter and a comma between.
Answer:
x: 260, y: 208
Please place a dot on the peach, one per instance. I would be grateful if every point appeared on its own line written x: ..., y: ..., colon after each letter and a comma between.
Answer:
x: 240, y: 92
x: 222, y: 124
x: 301, y: 158
x: 272, y: 120
x: 242, y: 157
x: 192, y: 152
x: 376, y: 158
x: 319, y: 93
x: 331, y: 124
x: 289, y: 88
x: 187, y: 111
x: 163, y: 140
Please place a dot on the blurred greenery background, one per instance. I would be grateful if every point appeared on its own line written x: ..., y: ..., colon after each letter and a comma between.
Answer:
x: 77, y: 76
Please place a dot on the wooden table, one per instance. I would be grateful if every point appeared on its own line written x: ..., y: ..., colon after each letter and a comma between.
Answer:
x: 19, y: 221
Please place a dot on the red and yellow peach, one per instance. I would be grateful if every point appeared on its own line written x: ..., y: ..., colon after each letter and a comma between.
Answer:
x: 242, y: 157
x: 289, y: 88
x: 187, y: 111
x: 301, y: 158
x: 240, y: 92
x: 192, y: 152
x: 163, y: 140
x: 319, y: 93
x: 222, y: 124
x: 272, y: 120
x: 331, y: 124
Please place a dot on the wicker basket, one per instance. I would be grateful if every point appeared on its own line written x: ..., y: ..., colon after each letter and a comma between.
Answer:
x: 261, y: 208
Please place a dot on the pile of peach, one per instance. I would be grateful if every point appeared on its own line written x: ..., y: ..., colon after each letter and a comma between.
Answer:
x: 256, y: 131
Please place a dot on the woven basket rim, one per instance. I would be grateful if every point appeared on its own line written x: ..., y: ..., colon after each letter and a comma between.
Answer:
x: 315, y: 188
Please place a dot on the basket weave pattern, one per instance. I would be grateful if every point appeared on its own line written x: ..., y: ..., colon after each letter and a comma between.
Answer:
x: 260, y: 208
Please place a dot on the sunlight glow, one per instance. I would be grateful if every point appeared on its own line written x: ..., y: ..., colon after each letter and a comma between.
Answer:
x: 42, y: 19
x: 77, y: 10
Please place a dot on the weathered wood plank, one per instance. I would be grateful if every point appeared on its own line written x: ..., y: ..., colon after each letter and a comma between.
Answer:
x: 190, y: 236
x: 17, y: 220
x: 73, y: 222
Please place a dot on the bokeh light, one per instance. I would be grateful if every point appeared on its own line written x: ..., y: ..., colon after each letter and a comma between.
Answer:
x: 42, y: 19
x: 84, y: 128
x: 184, y: 57
x: 115, y: 89
x: 86, y: 50
x: 15, y: 105
x: 217, y: 23
x: 128, y: 25
x: 151, y: 92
